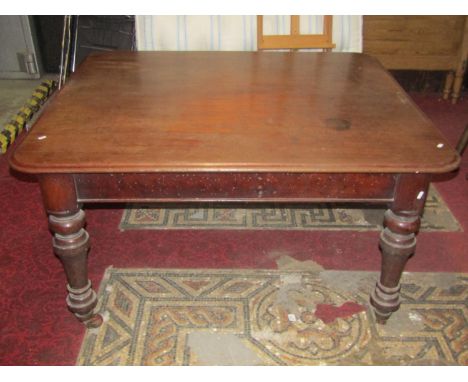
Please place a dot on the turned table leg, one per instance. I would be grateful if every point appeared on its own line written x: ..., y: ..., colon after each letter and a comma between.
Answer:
x: 457, y: 83
x: 71, y: 244
x: 463, y: 142
x: 462, y: 65
x: 398, y: 242
x: 448, y: 84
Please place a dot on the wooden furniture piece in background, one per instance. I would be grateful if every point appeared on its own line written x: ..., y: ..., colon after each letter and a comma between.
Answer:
x: 232, y: 127
x: 463, y: 142
x: 460, y: 69
x: 295, y: 40
x: 420, y: 43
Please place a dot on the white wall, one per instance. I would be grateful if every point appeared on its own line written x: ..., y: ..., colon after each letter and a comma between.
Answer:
x: 236, y: 33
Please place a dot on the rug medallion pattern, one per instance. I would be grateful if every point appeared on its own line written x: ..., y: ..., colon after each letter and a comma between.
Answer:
x: 273, y: 317
x: 436, y: 217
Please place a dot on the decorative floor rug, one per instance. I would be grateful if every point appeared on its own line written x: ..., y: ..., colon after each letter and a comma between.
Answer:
x: 274, y: 317
x: 436, y: 217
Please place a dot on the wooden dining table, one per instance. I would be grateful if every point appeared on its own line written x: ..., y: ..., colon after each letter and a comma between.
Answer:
x: 233, y: 127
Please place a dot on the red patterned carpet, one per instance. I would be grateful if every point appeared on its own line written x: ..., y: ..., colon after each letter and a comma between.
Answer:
x: 35, y: 326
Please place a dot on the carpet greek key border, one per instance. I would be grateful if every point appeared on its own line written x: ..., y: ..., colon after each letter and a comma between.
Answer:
x: 436, y: 217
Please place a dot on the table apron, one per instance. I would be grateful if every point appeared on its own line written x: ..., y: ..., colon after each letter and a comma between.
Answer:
x: 241, y: 186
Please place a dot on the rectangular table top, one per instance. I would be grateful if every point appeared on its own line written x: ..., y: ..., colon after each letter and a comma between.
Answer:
x: 233, y: 111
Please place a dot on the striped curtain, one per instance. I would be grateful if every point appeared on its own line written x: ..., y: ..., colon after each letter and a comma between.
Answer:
x: 236, y: 33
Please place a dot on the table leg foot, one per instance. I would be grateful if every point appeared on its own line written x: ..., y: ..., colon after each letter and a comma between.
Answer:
x: 82, y: 302
x: 397, y: 243
x: 94, y: 322
x: 385, y: 301
x: 71, y: 245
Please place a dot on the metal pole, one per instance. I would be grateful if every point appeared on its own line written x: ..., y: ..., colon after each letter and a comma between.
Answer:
x: 62, y: 52
x: 68, y: 48
x: 75, y: 41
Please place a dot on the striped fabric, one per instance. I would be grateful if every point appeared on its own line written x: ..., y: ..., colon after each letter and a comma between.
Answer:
x: 236, y: 33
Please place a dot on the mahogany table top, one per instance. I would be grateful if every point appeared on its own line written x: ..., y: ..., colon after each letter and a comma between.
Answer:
x: 233, y: 111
